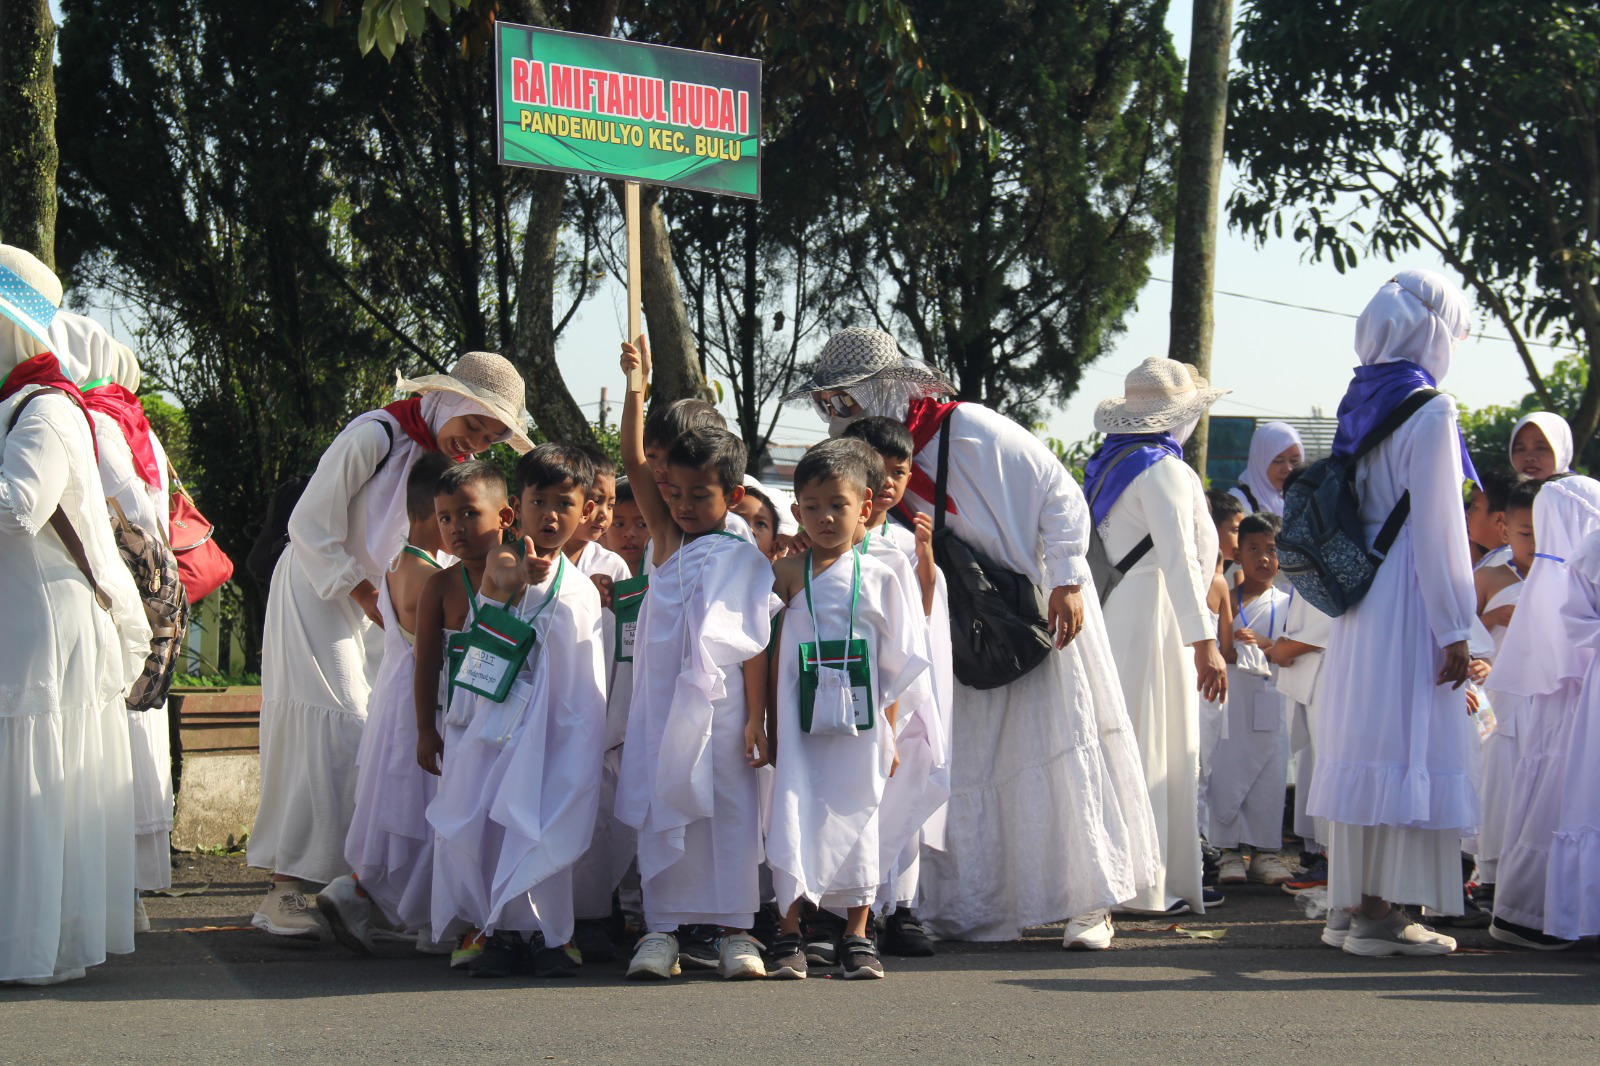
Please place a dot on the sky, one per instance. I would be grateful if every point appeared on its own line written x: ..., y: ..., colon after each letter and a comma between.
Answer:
x: 1278, y: 360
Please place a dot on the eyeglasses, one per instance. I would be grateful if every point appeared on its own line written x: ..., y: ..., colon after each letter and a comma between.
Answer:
x: 840, y: 403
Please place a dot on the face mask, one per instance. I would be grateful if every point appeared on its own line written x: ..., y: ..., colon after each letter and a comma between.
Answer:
x: 837, y: 424
x: 1181, y: 433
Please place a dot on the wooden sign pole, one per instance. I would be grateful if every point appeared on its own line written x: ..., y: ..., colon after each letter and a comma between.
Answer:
x: 635, y: 296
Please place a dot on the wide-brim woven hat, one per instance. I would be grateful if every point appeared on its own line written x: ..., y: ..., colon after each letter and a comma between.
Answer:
x: 489, y: 379
x: 1157, y: 395
x: 30, y: 293
x: 858, y: 354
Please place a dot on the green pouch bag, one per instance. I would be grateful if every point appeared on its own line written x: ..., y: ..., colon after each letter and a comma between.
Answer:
x: 627, y: 598
x: 847, y: 657
x: 495, y: 648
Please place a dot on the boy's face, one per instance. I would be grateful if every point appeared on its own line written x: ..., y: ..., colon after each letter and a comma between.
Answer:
x: 1519, y: 534
x: 1258, y: 557
x: 1531, y: 453
x: 1485, y: 528
x: 472, y: 519
x: 655, y: 456
x: 760, y: 519
x: 552, y: 514
x: 628, y: 532
x: 697, y: 499
x: 896, y: 475
x: 604, y: 498
x: 831, y: 510
x: 1228, y: 537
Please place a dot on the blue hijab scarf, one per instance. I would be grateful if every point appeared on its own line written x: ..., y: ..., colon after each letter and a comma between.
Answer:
x: 1106, y: 476
x: 1404, y: 338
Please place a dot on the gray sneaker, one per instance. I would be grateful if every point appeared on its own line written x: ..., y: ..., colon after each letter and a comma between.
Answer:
x: 1337, y: 930
x: 1396, y: 934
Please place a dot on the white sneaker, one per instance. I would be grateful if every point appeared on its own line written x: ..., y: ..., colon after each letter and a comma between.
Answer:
x: 349, y: 914
x: 1267, y: 868
x: 285, y: 912
x: 740, y: 958
x: 1337, y: 928
x: 1396, y: 934
x: 655, y: 958
x: 1089, y: 932
x: 1230, y: 869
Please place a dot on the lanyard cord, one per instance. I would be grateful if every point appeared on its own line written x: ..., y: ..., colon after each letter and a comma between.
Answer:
x: 855, y: 594
x: 555, y: 587
x: 1249, y: 623
x: 412, y: 549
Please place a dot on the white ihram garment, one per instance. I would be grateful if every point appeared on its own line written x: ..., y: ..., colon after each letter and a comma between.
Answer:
x: 66, y: 779
x: 686, y: 785
x: 1500, y: 754
x: 1301, y: 683
x: 827, y: 842
x: 1048, y: 815
x: 1395, y: 750
x: 1152, y: 617
x: 1249, y: 769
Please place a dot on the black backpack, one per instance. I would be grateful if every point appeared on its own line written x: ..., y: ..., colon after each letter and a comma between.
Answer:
x: 1322, y: 548
x: 997, y: 621
x: 274, y: 534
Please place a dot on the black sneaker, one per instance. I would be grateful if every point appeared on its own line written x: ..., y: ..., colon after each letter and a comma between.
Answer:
x: 593, y: 941
x: 904, y: 935
x: 1472, y: 916
x: 787, y: 957
x: 860, y: 957
x: 503, y: 954
x: 1523, y: 937
x: 555, y: 962
x: 699, y: 946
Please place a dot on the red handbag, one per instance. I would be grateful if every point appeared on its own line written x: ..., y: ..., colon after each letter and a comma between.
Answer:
x: 202, y: 565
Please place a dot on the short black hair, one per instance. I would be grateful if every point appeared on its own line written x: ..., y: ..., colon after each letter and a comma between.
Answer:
x: 1260, y: 522
x: 604, y: 465
x: 624, y: 491
x: 1294, y: 475
x: 551, y: 465
x: 851, y: 461
x: 666, y: 424
x: 460, y: 476
x: 1521, y: 496
x: 421, y: 483
x: 1497, y: 484
x: 1224, y: 505
x: 883, y: 435
x: 710, y: 448
x: 761, y: 497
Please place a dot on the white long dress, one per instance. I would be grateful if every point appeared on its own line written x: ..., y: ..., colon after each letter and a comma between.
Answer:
x: 1500, y: 753
x: 516, y: 802
x: 1250, y: 768
x: 686, y: 785
x: 66, y: 779
x: 1152, y: 616
x: 1395, y: 749
x: 1572, y: 884
x: 149, y: 739
x: 1048, y: 815
x: 828, y: 842
x: 320, y: 653
x: 390, y: 844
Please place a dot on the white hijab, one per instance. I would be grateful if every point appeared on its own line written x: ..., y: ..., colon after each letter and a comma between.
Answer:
x: 1270, y: 440
x: 1536, y: 657
x: 1418, y: 316
x: 1555, y: 430
x: 88, y: 353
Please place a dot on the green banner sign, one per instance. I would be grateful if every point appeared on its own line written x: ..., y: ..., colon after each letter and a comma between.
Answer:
x: 621, y: 109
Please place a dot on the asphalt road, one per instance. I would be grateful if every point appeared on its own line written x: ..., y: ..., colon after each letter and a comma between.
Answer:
x: 199, y: 992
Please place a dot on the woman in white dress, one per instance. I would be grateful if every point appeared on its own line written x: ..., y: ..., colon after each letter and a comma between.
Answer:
x: 1394, y: 744
x: 72, y: 647
x: 1048, y: 817
x: 1275, y: 449
x: 133, y: 471
x: 1162, y: 634
x: 322, y: 646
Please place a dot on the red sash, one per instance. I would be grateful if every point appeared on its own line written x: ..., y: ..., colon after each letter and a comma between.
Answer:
x: 125, y: 409
x: 43, y: 369
x: 409, y: 414
x: 923, y: 419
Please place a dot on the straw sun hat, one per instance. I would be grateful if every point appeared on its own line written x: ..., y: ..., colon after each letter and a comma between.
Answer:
x: 857, y: 354
x: 1157, y: 395
x: 30, y: 293
x: 488, y: 379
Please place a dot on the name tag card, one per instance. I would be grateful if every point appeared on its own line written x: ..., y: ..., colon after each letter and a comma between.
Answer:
x: 627, y: 598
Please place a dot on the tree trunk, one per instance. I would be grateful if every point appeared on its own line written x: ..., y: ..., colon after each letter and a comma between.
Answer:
x: 28, y: 128
x: 533, y: 347
x: 1194, y: 251
x: 676, y: 373
x: 749, y: 411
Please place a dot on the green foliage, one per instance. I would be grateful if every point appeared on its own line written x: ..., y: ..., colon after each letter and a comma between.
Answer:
x: 171, y: 427
x: 1488, y: 429
x: 1376, y: 129
x: 181, y: 681
x: 1073, y: 456
x: 387, y: 23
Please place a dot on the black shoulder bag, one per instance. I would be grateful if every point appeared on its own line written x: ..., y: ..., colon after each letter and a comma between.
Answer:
x: 997, y: 620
